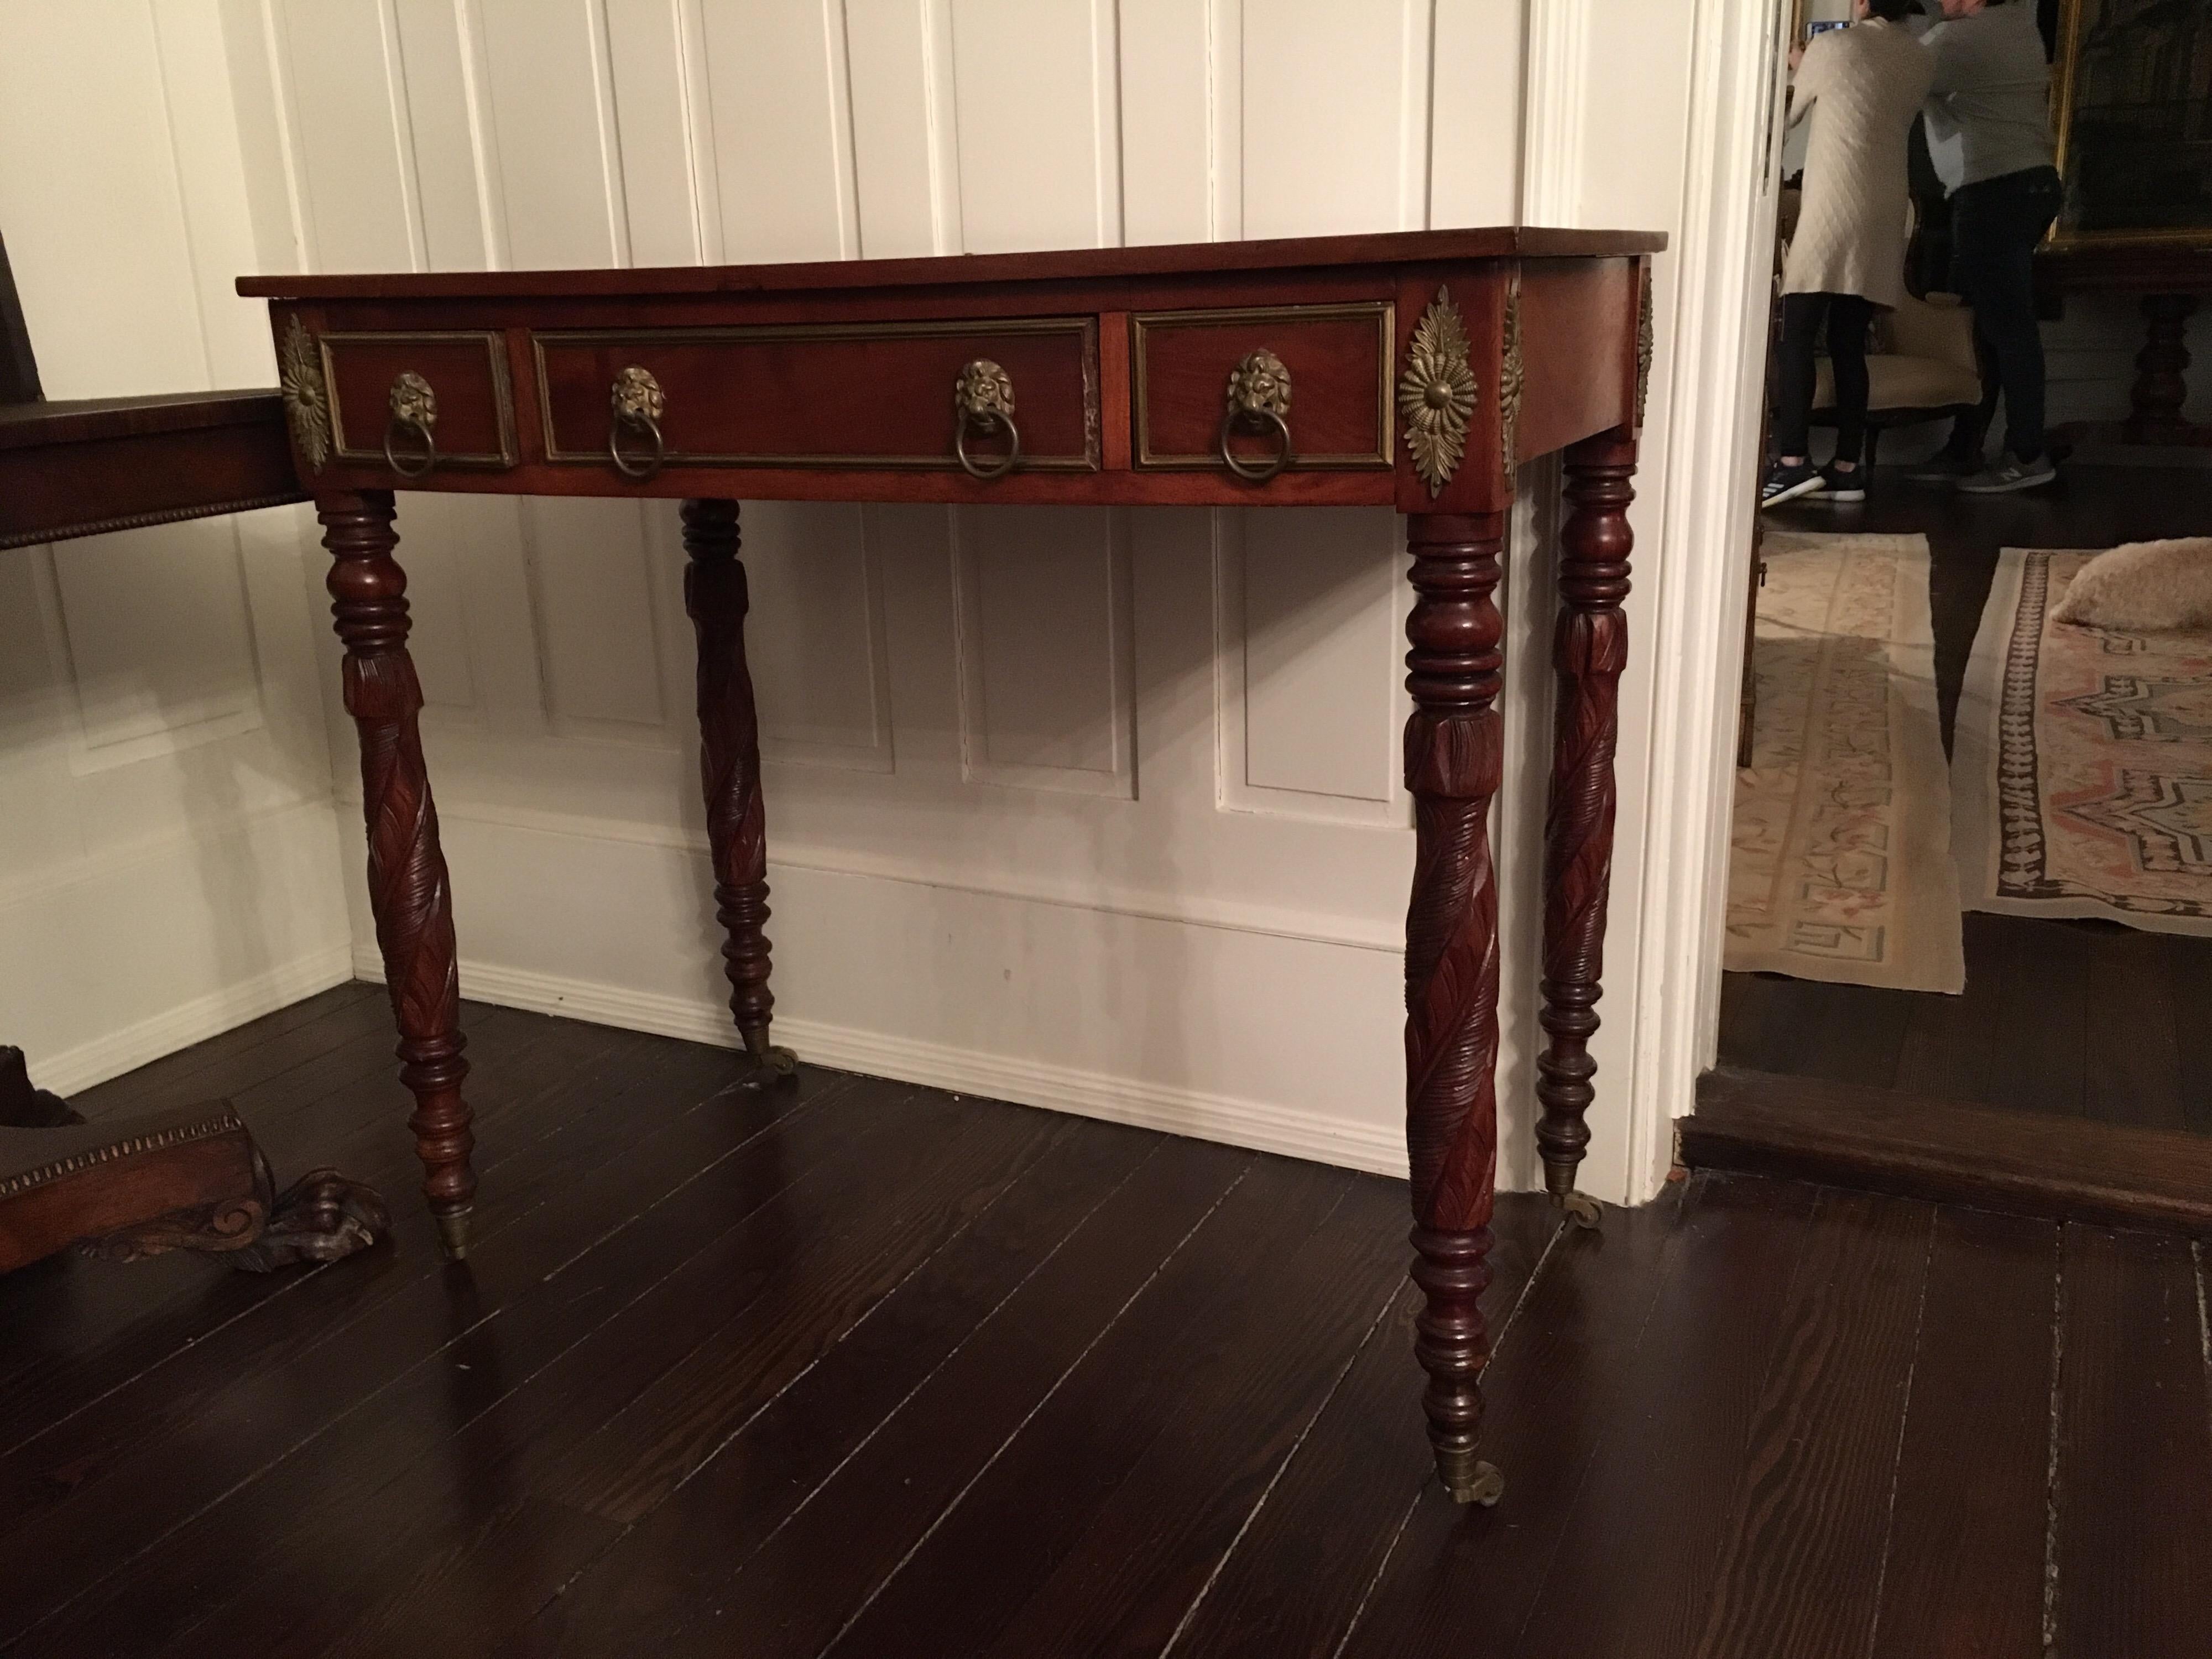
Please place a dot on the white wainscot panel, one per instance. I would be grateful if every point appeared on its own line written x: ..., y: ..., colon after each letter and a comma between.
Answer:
x: 1335, y: 101
x: 599, y: 619
x: 1308, y: 610
x: 1039, y: 125
x: 1045, y: 648
x: 153, y: 626
x: 346, y: 106
x: 782, y: 128
x: 814, y: 637
x: 551, y: 101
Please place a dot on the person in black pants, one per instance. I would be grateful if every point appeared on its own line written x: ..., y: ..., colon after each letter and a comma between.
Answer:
x: 1989, y: 137
x: 1849, y: 316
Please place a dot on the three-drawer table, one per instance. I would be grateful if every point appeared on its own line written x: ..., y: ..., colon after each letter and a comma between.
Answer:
x: 1414, y: 370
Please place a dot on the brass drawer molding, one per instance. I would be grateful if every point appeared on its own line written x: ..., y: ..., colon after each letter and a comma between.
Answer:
x: 1437, y: 392
x: 1259, y: 396
x: 983, y: 397
x: 1152, y: 330
x: 414, y: 408
x: 307, y: 398
x: 636, y: 403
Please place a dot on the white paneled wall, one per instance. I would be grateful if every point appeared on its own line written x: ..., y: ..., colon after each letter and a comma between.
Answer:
x: 1093, y: 808
x: 168, y: 854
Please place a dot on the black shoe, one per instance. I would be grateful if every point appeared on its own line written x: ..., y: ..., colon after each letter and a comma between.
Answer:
x: 1786, y: 483
x: 1843, y: 486
x: 2010, y: 473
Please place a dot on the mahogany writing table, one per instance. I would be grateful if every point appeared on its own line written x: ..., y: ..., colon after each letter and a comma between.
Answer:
x: 1412, y: 370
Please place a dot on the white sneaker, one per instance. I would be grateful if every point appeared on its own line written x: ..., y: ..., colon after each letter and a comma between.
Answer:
x: 2009, y: 475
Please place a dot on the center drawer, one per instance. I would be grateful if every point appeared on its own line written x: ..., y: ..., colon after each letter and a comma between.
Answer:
x: 878, y: 394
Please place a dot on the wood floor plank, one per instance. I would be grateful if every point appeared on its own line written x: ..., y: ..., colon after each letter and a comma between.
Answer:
x: 1145, y: 1557
x: 2042, y: 1065
x: 1462, y: 1580
x: 251, y: 1052
x: 2132, y: 1073
x: 1057, y: 1436
x: 1951, y: 1042
x: 2133, y: 1523
x: 1965, y: 1568
x: 246, y: 1428
x: 1029, y: 1509
x: 105, y: 1387
x: 1632, y: 1573
x: 1293, y: 1584
x: 2186, y: 965
x: 847, y: 1485
x: 770, y: 1295
x: 1801, y: 1564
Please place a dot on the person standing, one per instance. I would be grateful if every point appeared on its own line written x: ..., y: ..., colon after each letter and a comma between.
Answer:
x: 1860, y: 87
x: 1989, y: 132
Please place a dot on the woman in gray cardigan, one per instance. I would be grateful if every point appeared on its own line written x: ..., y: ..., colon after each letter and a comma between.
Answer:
x: 1860, y: 87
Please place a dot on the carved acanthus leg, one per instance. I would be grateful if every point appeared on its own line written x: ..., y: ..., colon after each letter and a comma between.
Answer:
x: 729, y: 765
x: 1589, y: 650
x: 408, y: 888
x: 1454, y: 750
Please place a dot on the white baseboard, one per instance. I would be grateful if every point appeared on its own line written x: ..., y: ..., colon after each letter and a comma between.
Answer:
x: 1238, y: 1122
x: 204, y: 1016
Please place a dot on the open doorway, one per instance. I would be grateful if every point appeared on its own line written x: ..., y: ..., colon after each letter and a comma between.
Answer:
x: 1972, y: 860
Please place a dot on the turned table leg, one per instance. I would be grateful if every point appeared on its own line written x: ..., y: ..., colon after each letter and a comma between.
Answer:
x: 408, y: 888
x: 729, y: 765
x: 1589, y: 650
x: 2162, y: 385
x: 1453, y: 760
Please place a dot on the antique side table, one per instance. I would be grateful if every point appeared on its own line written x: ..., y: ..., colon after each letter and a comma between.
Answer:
x: 1412, y: 370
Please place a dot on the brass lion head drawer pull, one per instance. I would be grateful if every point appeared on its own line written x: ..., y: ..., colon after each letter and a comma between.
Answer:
x: 1258, y: 396
x: 636, y: 406
x: 414, y: 408
x: 983, y: 397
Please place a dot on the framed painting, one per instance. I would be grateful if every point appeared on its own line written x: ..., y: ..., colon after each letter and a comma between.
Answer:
x: 2132, y: 92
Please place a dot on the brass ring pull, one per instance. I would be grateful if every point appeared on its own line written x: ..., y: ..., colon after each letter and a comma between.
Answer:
x: 637, y: 402
x: 983, y: 397
x: 414, y: 408
x: 1259, y: 395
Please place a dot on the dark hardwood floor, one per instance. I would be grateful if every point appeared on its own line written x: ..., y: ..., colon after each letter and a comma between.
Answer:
x: 2085, y: 1019
x: 861, y: 1369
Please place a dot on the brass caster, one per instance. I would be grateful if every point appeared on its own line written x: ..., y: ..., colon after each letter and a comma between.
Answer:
x: 454, y: 1233
x: 1581, y: 1209
x: 781, y: 1061
x: 772, y: 1063
x: 1487, y: 1487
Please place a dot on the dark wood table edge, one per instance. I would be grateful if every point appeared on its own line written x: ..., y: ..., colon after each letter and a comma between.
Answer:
x: 1922, y: 1146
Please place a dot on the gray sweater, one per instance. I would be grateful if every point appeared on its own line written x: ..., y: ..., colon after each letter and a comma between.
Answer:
x: 1989, y: 113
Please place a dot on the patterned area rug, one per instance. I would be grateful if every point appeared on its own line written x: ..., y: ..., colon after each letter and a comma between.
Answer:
x: 1841, y: 864
x: 2084, y: 761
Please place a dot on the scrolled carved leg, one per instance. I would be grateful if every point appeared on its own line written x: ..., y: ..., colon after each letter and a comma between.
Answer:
x: 408, y: 886
x: 321, y: 1217
x: 1454, y: 762
x: 729, y: 764
x: 1589, y: 650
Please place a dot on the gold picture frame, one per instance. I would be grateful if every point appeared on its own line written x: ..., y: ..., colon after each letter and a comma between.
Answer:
x: 2087, y: 67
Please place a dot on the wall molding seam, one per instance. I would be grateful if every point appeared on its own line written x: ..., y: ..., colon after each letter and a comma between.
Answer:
x: 200, y: 834
x: 1714, y: 342
x: 1230, y: 916
x: 1259, y: 1125
x: 1556, y: 82
x: 204, y: 1016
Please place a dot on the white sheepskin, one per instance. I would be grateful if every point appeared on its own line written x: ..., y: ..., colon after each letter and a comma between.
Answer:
x: 2150, y: 586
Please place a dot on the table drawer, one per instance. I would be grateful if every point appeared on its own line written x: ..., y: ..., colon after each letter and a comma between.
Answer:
x: 831, y: 395
x: 1336, y: 359
x: 396, y: 387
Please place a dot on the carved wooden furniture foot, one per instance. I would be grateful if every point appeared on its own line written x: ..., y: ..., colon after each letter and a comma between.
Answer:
x: 729, y: 766
x: 1454, y: 761
x: 1589, y: 650
x: 408, y: 888
x: 186, y: 1178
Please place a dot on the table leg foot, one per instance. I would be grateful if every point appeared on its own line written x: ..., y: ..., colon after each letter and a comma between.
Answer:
x: 771, y: 1062
x: 453, y: 1230
x: 1470, y: 1480
x: 1580, y: 1208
